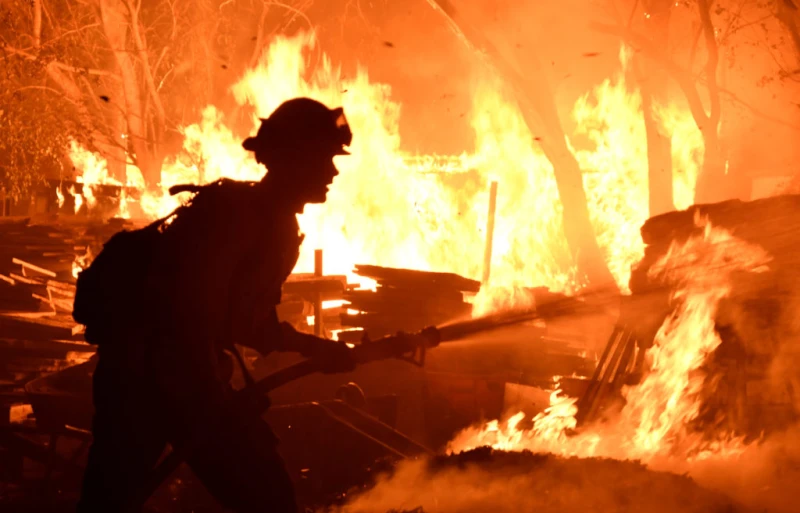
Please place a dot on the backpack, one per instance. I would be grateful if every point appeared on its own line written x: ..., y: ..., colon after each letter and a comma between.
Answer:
x: 112, y: 289
x: 113, y: 294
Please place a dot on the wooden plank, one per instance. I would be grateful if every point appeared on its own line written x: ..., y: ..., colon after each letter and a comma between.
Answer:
x: 299, y: 277
x: 61, y: 287
x: 45, y: 300
x: 26, y: 280
x: 412, y: 278
x: 408, y: 300
x: 328, y: 287
x: 39, y: 326
x: 384, y: 324
x: 55, y: 348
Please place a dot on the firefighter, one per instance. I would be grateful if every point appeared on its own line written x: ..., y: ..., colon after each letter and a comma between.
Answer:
x: 213, y: 280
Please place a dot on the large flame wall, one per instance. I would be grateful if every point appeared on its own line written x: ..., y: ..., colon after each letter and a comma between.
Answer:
x: 396, y: 209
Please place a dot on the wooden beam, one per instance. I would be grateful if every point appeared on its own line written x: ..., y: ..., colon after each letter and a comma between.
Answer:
x: 28, y: 265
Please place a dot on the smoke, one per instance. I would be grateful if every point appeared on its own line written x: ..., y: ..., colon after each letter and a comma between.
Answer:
x: 763, y: 478
x: 483, y: 481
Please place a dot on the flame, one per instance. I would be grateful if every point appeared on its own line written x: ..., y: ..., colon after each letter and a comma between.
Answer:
x: 81, y: 262
x: 78, y: 198
x: 687, y: 151
x: 123, y: 205
x: 654, y: 423
x: 94, y: 172
x: 429, y: 212
x: 60, y: 196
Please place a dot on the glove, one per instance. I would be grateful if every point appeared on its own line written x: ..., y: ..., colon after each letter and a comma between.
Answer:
x: 334, y: 357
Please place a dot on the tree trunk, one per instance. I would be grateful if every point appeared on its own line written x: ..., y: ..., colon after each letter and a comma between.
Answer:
x: 653, y: 86
x: 712, y: 184
x: 659, y: 152
x: 115, y: 25
x: 538, y: 109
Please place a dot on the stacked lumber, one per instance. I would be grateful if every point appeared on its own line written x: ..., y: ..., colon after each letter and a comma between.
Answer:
x: 37, y: 259
x: 406, y: 300
x: 37, y: 289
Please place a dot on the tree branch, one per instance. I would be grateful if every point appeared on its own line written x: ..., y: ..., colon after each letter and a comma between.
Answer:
x: 172, y: 36
x: 711, y: 63
x: 37, y: 23
x: 675, y: 70
x: 788, y: 18
x: 142, y: 50
x: 757, y: 112
x: 42, y: 88
x: 693, y: 50
x: 60, y: 65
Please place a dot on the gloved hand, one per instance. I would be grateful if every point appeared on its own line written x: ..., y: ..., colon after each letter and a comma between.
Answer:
x: 333, y: 357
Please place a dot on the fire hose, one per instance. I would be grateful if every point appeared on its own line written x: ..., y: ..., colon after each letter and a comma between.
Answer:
x: 404, y: 346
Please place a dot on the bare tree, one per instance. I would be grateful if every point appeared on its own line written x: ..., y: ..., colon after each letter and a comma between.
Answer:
x: 720, y: 30
x: 121, y: 75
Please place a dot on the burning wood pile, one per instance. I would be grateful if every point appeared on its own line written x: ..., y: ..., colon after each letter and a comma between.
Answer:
x: 749, y: 386
x: 406, y: 300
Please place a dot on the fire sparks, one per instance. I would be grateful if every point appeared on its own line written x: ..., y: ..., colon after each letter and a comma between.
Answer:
x: 655, y: 420
x: 430, y: 212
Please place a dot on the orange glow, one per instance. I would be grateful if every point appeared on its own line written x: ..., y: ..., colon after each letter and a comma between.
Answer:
x: 397, y: 209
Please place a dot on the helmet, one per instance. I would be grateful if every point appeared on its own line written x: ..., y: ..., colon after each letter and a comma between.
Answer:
x: 301, y: 122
